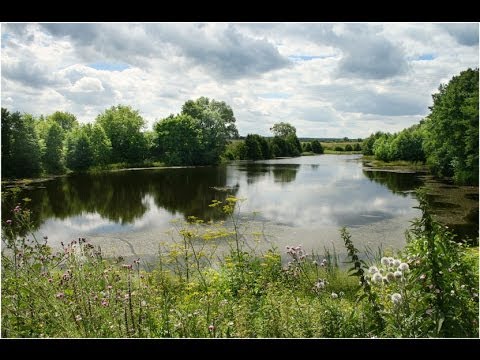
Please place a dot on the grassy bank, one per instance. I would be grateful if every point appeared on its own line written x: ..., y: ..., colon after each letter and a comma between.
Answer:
x: 371, y: 162
x: 429, y: 289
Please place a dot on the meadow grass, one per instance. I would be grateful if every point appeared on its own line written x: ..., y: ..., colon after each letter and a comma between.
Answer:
x: 430, y: 289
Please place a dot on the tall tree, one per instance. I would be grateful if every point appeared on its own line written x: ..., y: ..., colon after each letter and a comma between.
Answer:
x: 8, y: 121
x: 123, y: 126
x: 451, y: 142
x: 79, y: 150
x: 66, y: 120
x: 283, y: 130
x: 101, y: 146
x: 217, y: 124
x: 53, y: 158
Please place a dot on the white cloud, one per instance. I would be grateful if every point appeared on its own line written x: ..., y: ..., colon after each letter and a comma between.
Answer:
x: 352, y: 79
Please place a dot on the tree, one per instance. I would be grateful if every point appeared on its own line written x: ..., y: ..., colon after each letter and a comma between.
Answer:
x: 307, y: 147
x: 53, y: 158
x: 123, y: 127
x: 283, y: 130
x: 66, y: 120
x: 451, y: 141
x: 79, y: 150
x: 317, y: 148
x: 254, y: 151
x: 367, y: 144
x: 357, y: 147
x: 179, y: 140
x: 216, y: 122
x: 20, y: 148
x: 348, y: 147
x: 101, y: 146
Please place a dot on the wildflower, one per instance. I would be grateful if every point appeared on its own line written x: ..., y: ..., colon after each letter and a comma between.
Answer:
x: 319, y: 285
x: 78, y: 318
x: 396, y: 298
x: 109, y: 287
x: 143, y: 303
x: 429, y: 311
x: 462, y: 287
x: 452, y: 292
x: 211, y: 328
x: 17, y: 209
x: 403, y: 267
x: 341, y: 294
x: 385, y: 261
x: 127, y: 266
x: 324, y: 261
x: 230, y: 323
x: 50, y: 280
x: 334, y: 295
x: 9, y: 222
x: 60, y: 295
x: 390, y: 276
x: 373, y: 270
x: 104, y: 302
x: 397, y: 274
x: 390, y: 261
x: 396, y: 263
x: 423, y: 277
x: 385, y: 280
x: 377, y: 277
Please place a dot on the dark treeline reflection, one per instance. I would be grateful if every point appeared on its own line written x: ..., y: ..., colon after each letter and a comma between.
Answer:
x: 121, y: 196
x: 282, y: 173
x: 398, y: 183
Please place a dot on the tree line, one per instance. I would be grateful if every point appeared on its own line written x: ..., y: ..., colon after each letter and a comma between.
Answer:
x: 55, y: 143
x: 446, y: 139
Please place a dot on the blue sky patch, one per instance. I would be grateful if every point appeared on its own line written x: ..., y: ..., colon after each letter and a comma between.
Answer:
x: 109, y: 66
x: 5, y: 37
x: 306, y: 57
x: 426, y: 57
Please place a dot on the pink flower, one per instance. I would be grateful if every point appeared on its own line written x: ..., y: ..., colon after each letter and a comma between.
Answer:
x: 60, y: 295
x: 9, y: 222
x: 104, y: 302
x: 211, y: 328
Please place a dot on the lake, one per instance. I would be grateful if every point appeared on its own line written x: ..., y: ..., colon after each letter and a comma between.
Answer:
x: 301, y: 200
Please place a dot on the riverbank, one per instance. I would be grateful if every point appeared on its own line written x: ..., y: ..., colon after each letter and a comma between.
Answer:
x: 193, y: 292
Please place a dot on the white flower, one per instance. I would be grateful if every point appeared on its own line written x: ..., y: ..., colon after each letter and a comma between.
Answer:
x: 143, y: 303
x: 78, y: 318
x: 403, y: 267
x: 390, y: 261
x: 390, y: 276
x: 334, y: 295
x: 396, y: 263
x: 377, y: 277
x: 397, y: 274
x: 396, y: 298
x: 385, y: 261
x: 373, y: 270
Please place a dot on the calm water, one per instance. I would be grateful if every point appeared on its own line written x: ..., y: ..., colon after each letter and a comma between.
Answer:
x: 299, y: 201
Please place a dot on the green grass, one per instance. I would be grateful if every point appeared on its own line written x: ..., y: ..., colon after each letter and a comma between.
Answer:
x: 193, y: 291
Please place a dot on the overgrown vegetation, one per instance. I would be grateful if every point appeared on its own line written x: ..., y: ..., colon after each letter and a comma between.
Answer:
x: 210, y: 281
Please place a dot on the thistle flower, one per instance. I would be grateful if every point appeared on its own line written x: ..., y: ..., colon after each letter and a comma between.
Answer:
x: 396, y: 298
x: 403, y: 267
x: 377, y: 277
x: 390, y: 276
x: 398, y: 274
x: 385, y: 261
x: 60, y: 295
x: 211, y: 328
x: 334, y: 295
x: 9, y: 222
x: 396, y: 263
x: 373, y: 270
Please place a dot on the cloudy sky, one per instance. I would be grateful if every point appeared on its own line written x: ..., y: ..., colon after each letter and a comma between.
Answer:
x: 328, y: 80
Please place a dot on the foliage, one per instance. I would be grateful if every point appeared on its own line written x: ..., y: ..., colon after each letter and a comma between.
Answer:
x: 53, y: 158
x: 451, y: 143
x: 65, y: 120
x: 283, y: 130
x: 348, y: 147
x: 20, y: 146
x: 101, y: 146
x: 317, y: 148
x: 369, y: 142
x: 123, y: 126
x: 80, y: 155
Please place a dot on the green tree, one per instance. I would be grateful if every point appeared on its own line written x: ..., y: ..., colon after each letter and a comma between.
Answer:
x: 53, y: 158
x: 307, y: 146
x: 367, y: 144
x: 254, y: 151
x: 348, y: 147
x: 317, y: 147
x: 357, y: 147
x: 216, y: 121
x: 79, y: 150
x: 123, y: 127
x: 451, y: 142
x: 66, y: 120
x: 179, y: 140
x: 101, y: 146
x: 20, y: 147
x: 283, y: 130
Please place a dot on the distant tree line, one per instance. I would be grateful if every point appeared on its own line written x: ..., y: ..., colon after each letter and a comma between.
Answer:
x: 446, y: 140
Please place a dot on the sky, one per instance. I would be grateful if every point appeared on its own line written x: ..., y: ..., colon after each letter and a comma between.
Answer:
x: 326, y: 79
